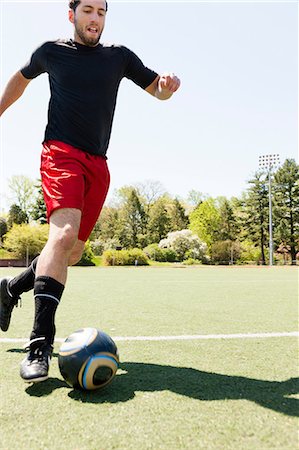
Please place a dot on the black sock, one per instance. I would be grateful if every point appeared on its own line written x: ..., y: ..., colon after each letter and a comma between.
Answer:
x: 47, y: 295
x: 23, y: 282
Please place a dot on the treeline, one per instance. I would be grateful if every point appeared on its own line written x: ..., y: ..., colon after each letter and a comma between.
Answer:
x: 197, y: 229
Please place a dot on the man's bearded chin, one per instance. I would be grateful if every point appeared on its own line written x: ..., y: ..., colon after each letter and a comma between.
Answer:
x: 89, y: 41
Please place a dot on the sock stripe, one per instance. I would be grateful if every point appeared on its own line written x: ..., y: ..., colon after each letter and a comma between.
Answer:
x: 8, y: 290
x: 48, y: 296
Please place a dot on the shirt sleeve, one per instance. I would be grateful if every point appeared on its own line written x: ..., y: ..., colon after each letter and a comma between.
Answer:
x: 137, y: 71
x: 37, y: 63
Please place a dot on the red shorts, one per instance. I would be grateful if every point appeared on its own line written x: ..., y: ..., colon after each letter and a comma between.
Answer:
x: 72, y: 178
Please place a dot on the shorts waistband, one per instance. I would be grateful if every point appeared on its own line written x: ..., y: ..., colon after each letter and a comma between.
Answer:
x: 68, y: 147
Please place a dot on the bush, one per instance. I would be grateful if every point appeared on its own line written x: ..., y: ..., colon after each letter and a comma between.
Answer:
x: 249, y: 253
x: 99, y: 245
x: 170, y: 255
x: 184, y: 243
x: 191, y: 261
x: 131, y: 257
x: 155, y: 253
x: 26, y: 240
x: 137, y: 257
x: 225, y: 252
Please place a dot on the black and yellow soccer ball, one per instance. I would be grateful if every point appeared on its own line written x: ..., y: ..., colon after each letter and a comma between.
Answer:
x: 88, y: 359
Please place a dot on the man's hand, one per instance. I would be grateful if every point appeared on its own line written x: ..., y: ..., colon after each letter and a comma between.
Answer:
x: 164, y: 86
x: 168, y: 84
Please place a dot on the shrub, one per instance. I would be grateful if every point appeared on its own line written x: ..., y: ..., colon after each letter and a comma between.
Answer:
x: 99, y: 245
x: 224, y: 252
x: 155, y: 253
x: 185, y: 244
x: 125, y: 257
x: 191, y: 261
x: 170, y: 255
x: 26, y: 240
x: 115, y: 258
x: 249, y: 253
x: 137, y: 257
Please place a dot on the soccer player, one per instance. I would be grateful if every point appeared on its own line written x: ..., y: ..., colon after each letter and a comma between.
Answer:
x: 84, y: 77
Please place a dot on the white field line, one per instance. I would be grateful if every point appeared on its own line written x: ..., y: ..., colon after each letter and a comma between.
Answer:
x: 181, y: 337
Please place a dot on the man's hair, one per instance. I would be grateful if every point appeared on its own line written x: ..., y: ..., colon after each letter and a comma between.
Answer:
x: 74, y: 3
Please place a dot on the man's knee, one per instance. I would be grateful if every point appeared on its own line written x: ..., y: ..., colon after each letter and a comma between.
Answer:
x: 66, y: 238
x: 64, y: 228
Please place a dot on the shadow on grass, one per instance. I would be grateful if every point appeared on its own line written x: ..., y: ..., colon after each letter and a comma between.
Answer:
x: 195, y: 384
x: 192, y: 383
x: 46, y: 387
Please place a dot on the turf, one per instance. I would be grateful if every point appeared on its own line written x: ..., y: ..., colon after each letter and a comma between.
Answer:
x: 210, y: 394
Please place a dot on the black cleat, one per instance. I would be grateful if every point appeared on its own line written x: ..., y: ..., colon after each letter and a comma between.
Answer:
x: 7, y: 303
x: 35, y: 367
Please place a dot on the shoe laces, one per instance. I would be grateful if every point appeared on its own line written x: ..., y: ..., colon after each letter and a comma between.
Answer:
x: 39, y: 349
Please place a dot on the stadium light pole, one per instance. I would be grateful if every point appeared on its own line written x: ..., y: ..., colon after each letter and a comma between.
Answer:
x: 268, y: 162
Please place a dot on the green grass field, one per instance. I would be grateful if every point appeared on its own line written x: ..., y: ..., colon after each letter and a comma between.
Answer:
x: 168, y: 394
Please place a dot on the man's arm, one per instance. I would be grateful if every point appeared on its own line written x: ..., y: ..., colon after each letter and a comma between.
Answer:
x: 164, y: 86
x: 14, y: 89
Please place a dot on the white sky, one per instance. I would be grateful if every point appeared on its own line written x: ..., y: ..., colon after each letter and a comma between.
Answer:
x: 238, y: 63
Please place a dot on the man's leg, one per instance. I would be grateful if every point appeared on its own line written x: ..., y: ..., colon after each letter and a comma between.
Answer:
x: 51, y: 274
x: 10, y: 291
x: 24, y: 281
x: 12, y: 288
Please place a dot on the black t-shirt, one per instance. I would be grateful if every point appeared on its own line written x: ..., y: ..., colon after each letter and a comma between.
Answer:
x: 84, y: 82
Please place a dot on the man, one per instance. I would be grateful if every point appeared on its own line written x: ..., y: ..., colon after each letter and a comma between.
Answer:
x: 84, y: 77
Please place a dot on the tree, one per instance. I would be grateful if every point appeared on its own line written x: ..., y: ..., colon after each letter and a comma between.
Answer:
x: 26, y: 240
x: 3, y: 228
x: 133, y: 222
x: 229, y: 226
x: 16, y: 216
x: 38, y: 210
x: 159, y: 221
x: 185, y: 244
x: 122, y: 195
x: 108, y: 224
x: 286, y: 206
x: 150, y: 191
x: 23, y: 191
x: 225, y: 252
x: 205, y: 221
x: 195, y: 198
x: 256, y: 213
x: 179, y: 220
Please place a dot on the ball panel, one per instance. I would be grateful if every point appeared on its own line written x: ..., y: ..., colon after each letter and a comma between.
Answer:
x: 103, y: 343
x: 71, y: 365
x: 95, y: 364
x: 102, y: 375
x: 77, y: 340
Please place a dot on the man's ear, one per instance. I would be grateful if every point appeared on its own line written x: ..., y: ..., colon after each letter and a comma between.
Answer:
x: 71, y: 16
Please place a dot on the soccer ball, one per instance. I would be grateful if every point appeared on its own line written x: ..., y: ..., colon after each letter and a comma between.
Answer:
x: 88, y: 359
